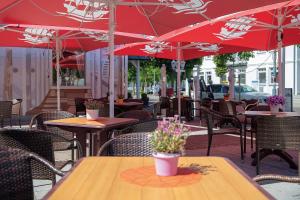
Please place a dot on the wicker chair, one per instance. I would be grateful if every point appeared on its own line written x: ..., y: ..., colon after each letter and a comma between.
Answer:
x: 132, y: 144
x: 16, y: 173
x: 165, y: 104
x: 33, y: 141
x: 154, y: 109
x: 79, y: 106
x: 276, y: 177
x: 5, y: 112
x: 228, y: 124
x: 16, y: 109
x: 147, y: 126
x: 277, y: 134
x: 141, y: 115
x: 63, y: 143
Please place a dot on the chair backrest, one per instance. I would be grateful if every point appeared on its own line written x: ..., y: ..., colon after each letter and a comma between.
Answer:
x: 15, y: 174
x: 104, y: 109
x: 5, y: 109
x: 134, y: 100
x: 278, y: 132
x: 227, y: 107
x: 260, y: 107
x: 132, y: 144
x: 40, y: 118
x: 16, y: 106
x: 141, y: 115
x: 36, y: 141
x: 79, y: 105
x: 165, y: 102
x: 147, y: 126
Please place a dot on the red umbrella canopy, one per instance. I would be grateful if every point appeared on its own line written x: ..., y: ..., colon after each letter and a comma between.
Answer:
x: 169, y: 51
x: 156, y: 18
x: 261, y: 30
x: 45, y: 37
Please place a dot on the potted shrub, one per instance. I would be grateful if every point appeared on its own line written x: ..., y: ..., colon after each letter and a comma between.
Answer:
x: 92, y: 109
x: 168, y: 142
x: 120, y: 99
x: 275, y: 102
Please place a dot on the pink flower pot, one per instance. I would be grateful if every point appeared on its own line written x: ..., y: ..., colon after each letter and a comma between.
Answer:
x: 274, y: 108
x: 166, y: 164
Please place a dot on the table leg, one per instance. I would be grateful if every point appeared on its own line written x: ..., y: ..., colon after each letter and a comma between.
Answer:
x: 82, y: 141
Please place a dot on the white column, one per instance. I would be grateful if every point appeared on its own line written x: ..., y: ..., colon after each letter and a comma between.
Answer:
x: 58, y: 77
x: 163, y: 88
x: 279, y: 62
x: 178, y: 79
x: 111, y: 58
x: 231, y: 82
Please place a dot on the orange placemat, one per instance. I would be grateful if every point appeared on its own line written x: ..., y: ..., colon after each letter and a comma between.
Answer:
x: 145, y: 176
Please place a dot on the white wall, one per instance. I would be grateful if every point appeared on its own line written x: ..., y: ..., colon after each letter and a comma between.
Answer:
x: 31, y: 68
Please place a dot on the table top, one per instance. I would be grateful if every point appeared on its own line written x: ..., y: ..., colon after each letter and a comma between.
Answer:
x: 116, y: 178
x: 269, y: 113
x: 100, y: 123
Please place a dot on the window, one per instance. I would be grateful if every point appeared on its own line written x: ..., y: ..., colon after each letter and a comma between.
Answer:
x: 242, y: 73
x: 208, y: 77
x: 72, y: 69
x: 262, y: 76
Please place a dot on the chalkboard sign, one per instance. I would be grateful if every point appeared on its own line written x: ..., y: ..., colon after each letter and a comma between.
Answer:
x: 288, y: 94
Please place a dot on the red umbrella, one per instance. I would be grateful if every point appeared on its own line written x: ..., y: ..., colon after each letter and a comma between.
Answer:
x: 168, y: 50
x: 72, y: 39
x: 152, y: 17
x: 261, y: 30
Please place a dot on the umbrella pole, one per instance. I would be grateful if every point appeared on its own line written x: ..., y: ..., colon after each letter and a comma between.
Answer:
x: 279, y: 62
x: 111, y: 58
x: 58, y: 78
x: 178, y: 79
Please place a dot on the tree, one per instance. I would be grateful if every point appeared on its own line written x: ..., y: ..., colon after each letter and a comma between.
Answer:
x: 221, y: 61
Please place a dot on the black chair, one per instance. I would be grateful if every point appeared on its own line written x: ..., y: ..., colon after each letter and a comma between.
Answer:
x: 132, y: 144
x: 165, y: 104
x: 227, y: 124
x: 5, y: 112
x: 67, y: 140
x: 16, y: 173
x: 16, y: 109
x: 80, y: 106
x: 33, y: 141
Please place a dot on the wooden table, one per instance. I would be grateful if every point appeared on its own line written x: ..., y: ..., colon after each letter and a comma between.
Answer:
x: 84, y: 128
x: 266, y: 152
x: 103, y: 178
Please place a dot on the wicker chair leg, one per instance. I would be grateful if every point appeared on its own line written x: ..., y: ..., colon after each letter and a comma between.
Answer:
x: 209, y: 144
x: 257, y: 161
x: 245, y: 139
x: 10, y: 122
x: 241, y: 141
x: 251, y: 132
x: 20, y: 122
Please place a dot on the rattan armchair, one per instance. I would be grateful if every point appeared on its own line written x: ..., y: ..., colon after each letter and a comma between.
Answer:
x: 33, y: 141
x: 141, y: 115
x: 276, y: 177
x: 16, y: 173
x: 277, y: 134
x: 132, y: 144
x: 5, y: 112
x: 225, y: 124
x: 147, y: 126
x: 63, y: 143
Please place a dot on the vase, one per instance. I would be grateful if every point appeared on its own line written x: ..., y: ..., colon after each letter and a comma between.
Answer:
x: 120, y: 101
x: 166, y: 163
x: 274, y: 108
x: 92, y: 114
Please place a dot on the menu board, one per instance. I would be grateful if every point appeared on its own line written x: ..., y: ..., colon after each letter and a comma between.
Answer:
x: 288, y: 94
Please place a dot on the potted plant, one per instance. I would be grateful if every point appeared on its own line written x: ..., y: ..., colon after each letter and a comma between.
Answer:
x: 275, y: 102
x: 168, y: 143
x: 120, y: 99
x: 92, y: 109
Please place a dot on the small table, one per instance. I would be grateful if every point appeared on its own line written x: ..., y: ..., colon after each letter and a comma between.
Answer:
x: 83, y: 127
x: 107, y: 178
x: 265, y: 152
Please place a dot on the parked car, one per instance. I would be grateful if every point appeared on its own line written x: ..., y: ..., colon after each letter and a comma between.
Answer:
x: 247, y: 92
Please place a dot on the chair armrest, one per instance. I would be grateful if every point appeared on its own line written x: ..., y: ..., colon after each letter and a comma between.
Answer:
x: 104, y: 147
x: 290, y: 179
x: 47, y: 164
x: 79, y: 147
